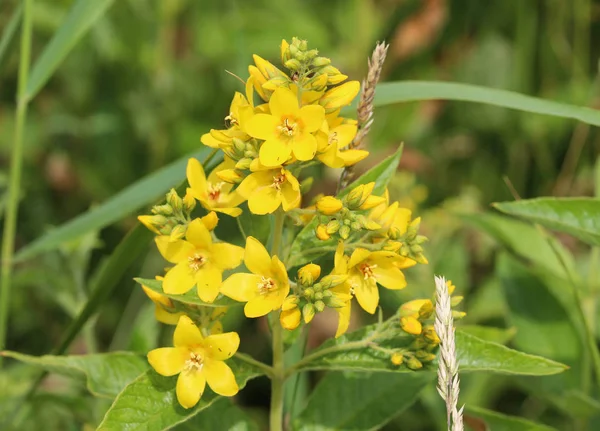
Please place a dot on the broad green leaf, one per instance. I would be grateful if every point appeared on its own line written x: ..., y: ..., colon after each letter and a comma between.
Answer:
x: 579, y: 217
x: 106, y: 373
x: 190, y: 297
x: 149, y: 403
x: 81, y: 17
x: 306, y: 246
x: 357, y: 402
x: 10, y: 30
x: 489, y: 333
x: 221, y: 415
x: 127, y: 201
x: 389, y: 93
x: 473, y: 354
x: 499, y: 422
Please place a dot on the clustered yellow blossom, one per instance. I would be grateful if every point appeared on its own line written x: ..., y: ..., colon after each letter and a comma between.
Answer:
x: 286, y: 119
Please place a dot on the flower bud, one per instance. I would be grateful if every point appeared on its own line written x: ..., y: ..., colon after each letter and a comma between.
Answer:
x: 306, y: 185
x: 333, y: 301
x: 189, y: 202
x: 285, y: 51
x: 243, y: 164
x: 174, y: 200
x: 397, y: 359
x: 308, y: 311
x: 333, y: 280
x: 424, y: 356
x: 329, y: 205
x: 410, y: 325
x: 413, y: 308
x: 321, y: 61
x: 372, y: 202
x: 309, y: 273
x: 290, y: 319
x: 455, y: 300
x: 164, y: 210
x: 293, y: 64
x: 332, y: 227
x: 319, y: 296
x: 320, y: 305
x: 177, y: 232
x: 414, y: 364
x: 230, y: 176
x: 290, y: 302
x: 153, y: 222
x: 210, y: 220
x: 309, y: 293
x: 345, y: 231
x: 321, y: 232
x: 359, y: 195
x: 430, y: 335
x: 355, y: 226
x: 239, y: 146
x: 458, y: 314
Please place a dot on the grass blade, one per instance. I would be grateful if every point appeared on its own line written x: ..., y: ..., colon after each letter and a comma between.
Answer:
x: 10, y: 30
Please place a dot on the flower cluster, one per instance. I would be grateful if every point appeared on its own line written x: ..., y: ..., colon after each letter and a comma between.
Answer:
x: 287, y: 120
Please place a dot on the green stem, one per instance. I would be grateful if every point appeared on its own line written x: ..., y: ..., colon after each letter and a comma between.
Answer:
x: 250, y: 360
x: 278, y: 375
x: 16, y: 163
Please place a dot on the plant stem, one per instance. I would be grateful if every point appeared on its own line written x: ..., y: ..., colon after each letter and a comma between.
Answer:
x: 250, y: 360
x: 278, y: 375
x: 16, y: 163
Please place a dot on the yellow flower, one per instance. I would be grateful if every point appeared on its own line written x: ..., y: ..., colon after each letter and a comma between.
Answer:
x: 360, y: 197
x: 309, y: 273
x: 329, y: 205
x: 198, y: 361
x: 214, y: 195
x: 340, y: 96
x: 290, y: 313
x: 333, y: 138
x: 198, y: 261
x: 263, y: 72
x: 411, y: 325
x: 240, y: 111
x: 162, y: 306
x: 416, y: 308
x: 265, y: 289
x: 321, y: 232
x: 343, y: 291
x: 267, y: 190
x: 287, y: 130
x: 366, y: 269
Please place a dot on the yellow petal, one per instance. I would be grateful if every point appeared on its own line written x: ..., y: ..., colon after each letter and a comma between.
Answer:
x: 274, y: 152
x: 264, y: 201
x: 179, y: 279
x: 340, y: 261
x: 312, y: 116
x: 222, y: 346
x: 279, y: 273
x: 259, y: 306
x: 209, y: 279
x: 283, y: 102
x: 210, y: 220
x: 344, y: 134
x: 341, y: 95
x: 173, y: 251
x: 358, y: 256
x: 290, y: 198
x: 366, y: 293
x: 343, y: 319
x: 256, y: 257
x: 352, y: 157
x: 290, y: 319
x: 210, y: 141
x: 220, y: 378
x: 190, y: 387
x: 187, y: 333
x: 227, y: 256
x: 168, y: 361
x: 304, y: 147
x: 253, y: 182
x: 241, y: 286
x: 233, y: 212
x: 195, y: 176
x: 163, y: 316
x: 198, y: 235
x: 262, y: 126
x: 389, y: 276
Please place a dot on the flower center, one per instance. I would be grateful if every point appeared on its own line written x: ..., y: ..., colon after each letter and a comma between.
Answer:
x: 367, y: 270
x: 196, y: 261
x: 266, y: 284
x: 195, y: 362
x: 288, y: 128
x: 214, y: 191
x: 332, y: 138
x: 230, y: 120
x: 278, y: 181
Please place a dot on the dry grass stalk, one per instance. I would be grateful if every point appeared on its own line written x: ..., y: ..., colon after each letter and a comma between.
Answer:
x: 448, y: 381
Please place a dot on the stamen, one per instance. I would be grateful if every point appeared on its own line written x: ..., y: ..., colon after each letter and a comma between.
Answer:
x: 196, y: 362
x: 367, y: 270
x: 288, y: 128
x: 214, y: 190
x: 196, y: 261
x: 332, y: 138
x: 278, y: 181
x: 266, y: 284
x: 230, y: 120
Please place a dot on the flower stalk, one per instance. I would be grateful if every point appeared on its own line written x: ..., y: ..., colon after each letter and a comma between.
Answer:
x: 448, y: 381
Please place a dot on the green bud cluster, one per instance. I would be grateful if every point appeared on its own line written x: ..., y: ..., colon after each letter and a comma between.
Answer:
x: 242, y: 152
x: 345, y: 223
x: 172, y: 217
x: 315, y: 296
x: 411, y: 242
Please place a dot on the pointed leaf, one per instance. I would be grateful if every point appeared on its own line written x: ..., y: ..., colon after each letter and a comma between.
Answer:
x: 221, y: 415
x: 579, y: 217
x: 306, y: 247
x: 499, y: 422
x: 149, y: 403
x: 106, y: 373
x: 357, y: 402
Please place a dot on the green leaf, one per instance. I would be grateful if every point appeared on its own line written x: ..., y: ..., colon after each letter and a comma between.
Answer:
x: 306, y: 247
x: 579, y: 217
x: 353, y: 402
x: 80, y: 18
x: 149, y: 403
x: 473, y: 354
x: 389, y: 93
x: 127, y: 201
x: 190, y: 297
x: 221, y: 415
x: 106, y: 373
x: 499, y: 422
x: 489, y: 333
x: 10, y: 30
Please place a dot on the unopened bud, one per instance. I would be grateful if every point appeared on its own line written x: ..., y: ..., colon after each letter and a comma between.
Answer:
x: 397, y: 359
x: 458, y: 314
x: 424, y: 356
x: 410, y: 325
x: 290, y: 302
x: 321, y: 232
x: 308, y: 274
x: 332, y: 227
x: 306, y: 185
x: 319, y: 296
x: 320, y: 306
x: 321, y: 61
x: 230, y: 176
x: 333, y: 301
x: 243, y: 164
x: 239, y: 146
x: 189, y: 203
x: 164, y: 210
x: 309, y: 293
x: 174, y: 200
x: 414, y: 364
x: 329, y: 205
x: 345, y: 231
x: 430, y: 335
x: 333, y: 280
x: 308, y: 311
x: 293, y: 64
x: 455, y: 300
x: 177, y: 232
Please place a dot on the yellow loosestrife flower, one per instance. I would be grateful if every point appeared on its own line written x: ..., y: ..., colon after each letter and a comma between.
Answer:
x: 162, y: 306
x: 240, y: 111
x: 198, y: 361
x: 213, y: 194
x: 198, y: 261
x: 339, y: 96
x: 267, y: 190
x: 287, y: 130
x: 265, y: 289
x: 366, y: 269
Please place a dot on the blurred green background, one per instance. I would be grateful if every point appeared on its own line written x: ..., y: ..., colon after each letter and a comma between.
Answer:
x: 151, y: 77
